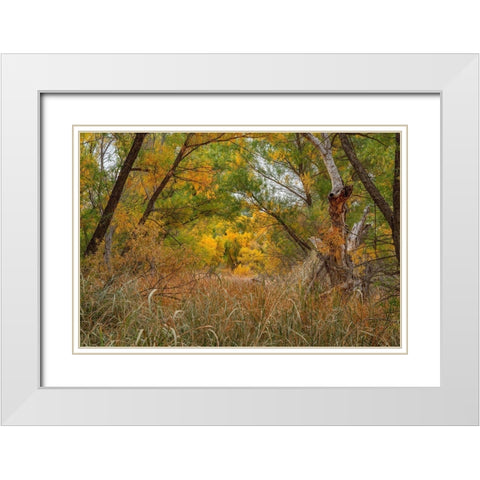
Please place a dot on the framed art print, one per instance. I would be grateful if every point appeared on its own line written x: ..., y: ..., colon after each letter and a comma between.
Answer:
x: 240, y: 249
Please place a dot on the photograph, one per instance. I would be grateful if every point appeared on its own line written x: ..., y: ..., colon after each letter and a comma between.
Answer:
x: 240, y: 239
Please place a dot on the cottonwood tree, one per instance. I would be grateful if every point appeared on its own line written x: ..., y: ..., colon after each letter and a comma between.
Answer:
x: 337, y: 263
x: 296, y: 186
x: 114, y: 198
x: 284, y: 162
x: 266, y: 178
x: 193, y: 141
x: 392, y: 216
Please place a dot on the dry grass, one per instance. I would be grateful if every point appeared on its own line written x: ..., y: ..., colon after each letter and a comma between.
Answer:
x: 179, y: 309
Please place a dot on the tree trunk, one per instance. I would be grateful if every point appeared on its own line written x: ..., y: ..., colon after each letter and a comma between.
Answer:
x: 338, y: 263
x: 107, y: 215
x: 392, y: 217
x: 396, y: 199
x: 325, y: 149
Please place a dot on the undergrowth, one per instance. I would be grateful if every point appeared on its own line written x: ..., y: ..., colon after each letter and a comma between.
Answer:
x: 169, y: 306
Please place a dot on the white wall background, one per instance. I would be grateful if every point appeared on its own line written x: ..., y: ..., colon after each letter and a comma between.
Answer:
x: 246, y: 452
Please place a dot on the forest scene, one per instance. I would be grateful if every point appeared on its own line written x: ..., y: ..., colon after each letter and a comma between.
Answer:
x: 239, y: 239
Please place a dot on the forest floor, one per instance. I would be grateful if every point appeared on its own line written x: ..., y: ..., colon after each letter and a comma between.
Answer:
x: 226, y: 310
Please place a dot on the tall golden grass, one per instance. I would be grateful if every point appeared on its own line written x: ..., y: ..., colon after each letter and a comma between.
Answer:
x: 169, y: 305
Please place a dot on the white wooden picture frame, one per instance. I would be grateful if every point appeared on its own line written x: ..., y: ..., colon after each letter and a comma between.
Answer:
x: 26, y: 77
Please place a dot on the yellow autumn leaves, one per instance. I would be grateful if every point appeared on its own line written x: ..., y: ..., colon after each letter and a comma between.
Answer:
x: 244, y: 251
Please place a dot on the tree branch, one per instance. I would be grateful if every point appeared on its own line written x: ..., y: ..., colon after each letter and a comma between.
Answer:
x: 366, y: 180
x: 325, y: 149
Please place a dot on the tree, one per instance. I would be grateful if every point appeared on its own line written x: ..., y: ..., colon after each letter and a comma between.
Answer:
x: 186, y: 190
x: 109, y: 210
x: 184, y: 151
x: 266, y: 177
x: 396, y: 198
x: 337, y: 263
x: 192, y: 142
x: 391, y: 216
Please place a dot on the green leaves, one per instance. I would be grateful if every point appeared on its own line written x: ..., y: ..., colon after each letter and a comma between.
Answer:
x: 277, y: 179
